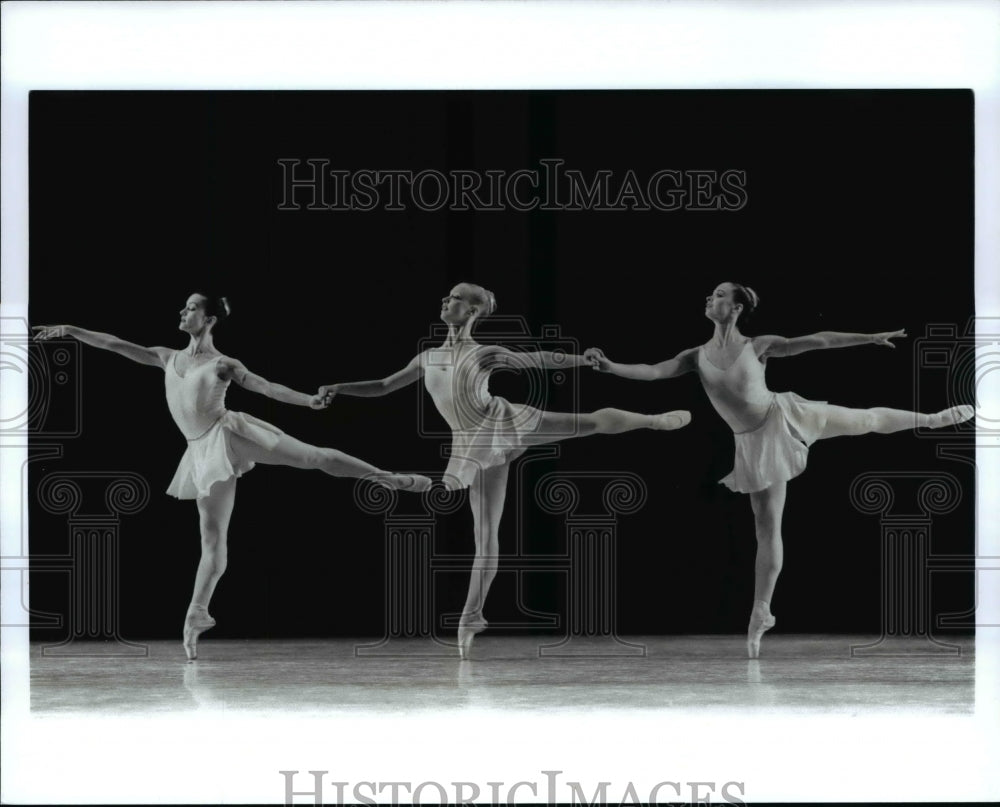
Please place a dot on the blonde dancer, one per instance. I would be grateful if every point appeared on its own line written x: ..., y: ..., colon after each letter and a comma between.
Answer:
x: 488, y: 431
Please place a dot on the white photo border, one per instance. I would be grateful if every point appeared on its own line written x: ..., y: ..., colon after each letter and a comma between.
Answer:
x: 726, y: 44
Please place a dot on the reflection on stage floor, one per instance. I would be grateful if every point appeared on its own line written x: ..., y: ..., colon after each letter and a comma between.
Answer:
x: 810, y: 674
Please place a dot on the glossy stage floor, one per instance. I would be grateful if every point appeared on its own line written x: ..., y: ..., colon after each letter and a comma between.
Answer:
x: 819, y: 674
x: 836, y: 718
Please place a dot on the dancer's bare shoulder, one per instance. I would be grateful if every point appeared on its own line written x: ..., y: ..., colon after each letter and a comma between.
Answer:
x: 227, y: 368
x: 160, y: 356
x: 686, y: 361
x: 687, y: 357
x: 769, y: 345
x: 492, y: 357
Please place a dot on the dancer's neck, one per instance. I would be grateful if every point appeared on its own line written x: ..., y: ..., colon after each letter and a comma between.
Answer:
x: 459, y: 336
x: 726, y: 334
x: 200, y: 344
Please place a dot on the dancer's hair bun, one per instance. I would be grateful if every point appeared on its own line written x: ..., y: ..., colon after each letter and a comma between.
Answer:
x: 217, y: 306
x: 747, y: 297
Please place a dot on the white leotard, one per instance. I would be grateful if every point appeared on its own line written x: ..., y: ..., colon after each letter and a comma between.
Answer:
x: 197, y: 399
x: 460, y: 389
x: 486, y: 430
x: 738, y: 393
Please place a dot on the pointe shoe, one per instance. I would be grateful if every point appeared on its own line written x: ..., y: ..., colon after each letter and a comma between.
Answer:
x: 196, y: 623
x: 671, y: 420
x: 467, y: 631
x: 760, y: 622
x: 954, y: 415
x: 411, y: 483
x: 451, y: 483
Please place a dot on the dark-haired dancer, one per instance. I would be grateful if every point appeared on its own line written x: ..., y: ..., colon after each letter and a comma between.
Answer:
x: 223, y: 445
x: 772, y: 430
x: 488, y: 432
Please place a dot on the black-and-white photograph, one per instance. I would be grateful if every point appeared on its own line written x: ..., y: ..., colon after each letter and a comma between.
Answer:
x: 499, y: 443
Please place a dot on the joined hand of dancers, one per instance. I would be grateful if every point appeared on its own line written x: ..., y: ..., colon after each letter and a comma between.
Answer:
x: 327, y: 392
x: 319, y: 401
x: 595, y: 357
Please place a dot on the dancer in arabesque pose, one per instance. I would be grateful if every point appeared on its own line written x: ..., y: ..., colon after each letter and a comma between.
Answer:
x: 488, y: 432
x: 772, y: 429
x: 223, y: 445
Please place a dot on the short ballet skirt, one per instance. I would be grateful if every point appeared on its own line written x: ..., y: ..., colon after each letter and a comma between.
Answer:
x: 499, y: 438
x: 777, y: 450
x: 210, y: 458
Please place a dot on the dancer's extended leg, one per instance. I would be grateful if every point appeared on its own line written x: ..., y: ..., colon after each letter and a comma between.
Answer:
x: 555, y: 426
x: 214, y: 512
x: 842, y: 421
x: 487, y: 494
x: 297, y: 454
x: 768, y: 505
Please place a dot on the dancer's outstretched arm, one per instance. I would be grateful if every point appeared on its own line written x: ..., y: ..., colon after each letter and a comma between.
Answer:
x: 228, y: 368
x: 373, y: 389
x: 155, y: 356
x: 498, y: 357
x: 683, y: 362
x: 781, y: 346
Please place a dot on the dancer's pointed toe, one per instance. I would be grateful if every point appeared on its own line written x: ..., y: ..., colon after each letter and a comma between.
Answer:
x: 960, y: 414
x: 465, y: 637
x: 411, y: 483
x: 669, y: 421
x: 761, y: 621
x: 196, y: 623
x: 952, y: 416
x: 469, y: 626
x: 420, y: 483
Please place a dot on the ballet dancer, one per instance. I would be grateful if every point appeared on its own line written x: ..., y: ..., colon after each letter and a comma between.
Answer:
x: 772, y: 430
x: 223, y: 445
x: 488, y: 432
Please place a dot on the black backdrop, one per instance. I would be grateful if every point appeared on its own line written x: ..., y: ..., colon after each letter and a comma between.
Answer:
x: 858, y: 218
